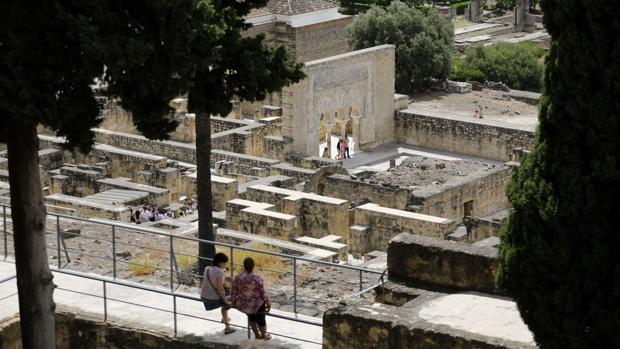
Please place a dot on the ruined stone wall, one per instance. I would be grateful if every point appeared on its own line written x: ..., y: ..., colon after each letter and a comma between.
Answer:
x: 487, y: 139
x: 343, y: 187
x: 83, y: 332
x: 481, y: 228
x: 318, y: 216
x: 260, y: 220
x: 222, y: 189
x: 64, y: 204
x: 318, y: 219
x: 442, y: 263
x: 174, y: 150
x: 321, y: 40
x: 385, y: 223
x: 488, y: 195
x: 115, y: 118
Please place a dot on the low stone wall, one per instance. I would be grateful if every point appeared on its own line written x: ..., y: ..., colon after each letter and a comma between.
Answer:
x: 384, y: 223
x: 486, y: 194
x: 318, y: 215
x: 378, y: 326
x: 156, y: 196
x: 83, y: 332
x: 441, y: 263
x: 83, y: 208
x: 481, y: 228
x: 222, y: 189
x: 344, y: 187
x: 487, y: 139
x: 257, y: 218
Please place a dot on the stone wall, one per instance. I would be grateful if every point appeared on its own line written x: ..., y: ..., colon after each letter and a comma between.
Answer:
x: 344, y: 187
x: 482, y: 138
x: 85, y: 332
x: 258, y: 218
x: 377, y: 326
x: 318, y: 215
x: 321, y: 40
x: 115, y: 118
x: 487, y: 194
x: 156, y: 196
x: 384, y: 223
x: 64, y: 204
x: 441, y: 263
x: 222, y: 190
x: 75, y: 181
x: 481, y: 228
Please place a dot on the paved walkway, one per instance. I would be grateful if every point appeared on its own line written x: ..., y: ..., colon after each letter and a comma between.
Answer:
x: 142, y: 317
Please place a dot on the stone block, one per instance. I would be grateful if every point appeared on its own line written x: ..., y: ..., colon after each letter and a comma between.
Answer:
x: 441, y: 263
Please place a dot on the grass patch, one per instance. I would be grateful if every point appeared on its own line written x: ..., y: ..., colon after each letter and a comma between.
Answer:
x: 270, y: 267
x: 144, y: 265
x: 185, y: 261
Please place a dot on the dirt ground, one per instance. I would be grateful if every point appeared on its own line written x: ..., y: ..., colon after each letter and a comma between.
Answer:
x: 495, y: 105
x: 417, y: 172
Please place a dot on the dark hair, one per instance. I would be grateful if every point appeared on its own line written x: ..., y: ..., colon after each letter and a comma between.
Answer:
x: 248, y: 264
x: 219, y: 258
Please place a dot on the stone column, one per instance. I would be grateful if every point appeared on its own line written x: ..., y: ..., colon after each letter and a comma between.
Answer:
x: 328, y: 130
x: 356, y: 132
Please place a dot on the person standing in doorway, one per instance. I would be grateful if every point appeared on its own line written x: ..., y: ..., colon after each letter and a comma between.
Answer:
x: 341, y: 147
x: 338, y: 154
x: 346, y: 148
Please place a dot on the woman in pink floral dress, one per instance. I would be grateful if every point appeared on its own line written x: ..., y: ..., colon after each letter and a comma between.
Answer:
x: 248, y: 295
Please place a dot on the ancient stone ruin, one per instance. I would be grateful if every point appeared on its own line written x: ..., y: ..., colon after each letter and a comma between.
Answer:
x: 421, y: 197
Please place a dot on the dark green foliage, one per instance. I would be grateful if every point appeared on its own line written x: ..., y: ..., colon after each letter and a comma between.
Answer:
x: 423, y: 42
x: 505, y: 4
x: 559, y: 251
x: 152, y: 51
x: 517, y: 65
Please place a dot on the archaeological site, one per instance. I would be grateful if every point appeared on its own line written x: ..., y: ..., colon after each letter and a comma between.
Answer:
x: 373, y: 216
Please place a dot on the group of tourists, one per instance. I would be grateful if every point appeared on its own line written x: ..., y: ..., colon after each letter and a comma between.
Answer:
x: 149, y: 213
x: 246, y: 293
x: 152, y: 213
x: 343, y: 149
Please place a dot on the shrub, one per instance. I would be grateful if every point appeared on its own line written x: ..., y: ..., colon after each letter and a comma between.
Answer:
x: 517, y: 65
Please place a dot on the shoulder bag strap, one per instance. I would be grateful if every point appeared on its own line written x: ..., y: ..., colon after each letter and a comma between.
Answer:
x: 212, y: 285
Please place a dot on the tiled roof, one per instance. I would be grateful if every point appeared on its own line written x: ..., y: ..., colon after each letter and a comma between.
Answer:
x: 259, y: 12
x: 293, y: 7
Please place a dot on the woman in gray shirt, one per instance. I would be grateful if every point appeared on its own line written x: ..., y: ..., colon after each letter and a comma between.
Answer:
x: 212, y: 293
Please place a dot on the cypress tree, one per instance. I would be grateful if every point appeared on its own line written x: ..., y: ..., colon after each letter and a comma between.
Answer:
x: 559, y: 250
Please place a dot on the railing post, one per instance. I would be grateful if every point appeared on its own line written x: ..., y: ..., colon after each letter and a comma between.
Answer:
x: 295, y: 285
x: 249, y: 336
x: 105, y: 303
x: 174, y: 300
x: 58, y: 241
x: 361, y: 271
x: 171, y: 265
x: 232, y: 262
x: 114, y: 251
x: 6, y: 240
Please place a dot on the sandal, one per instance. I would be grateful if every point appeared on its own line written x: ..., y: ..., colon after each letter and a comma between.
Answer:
x: 229, y: 330
x: 267, y: 337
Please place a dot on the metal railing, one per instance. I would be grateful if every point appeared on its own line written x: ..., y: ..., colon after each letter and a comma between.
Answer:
x: 173, y: 269
x: 175, y: 295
